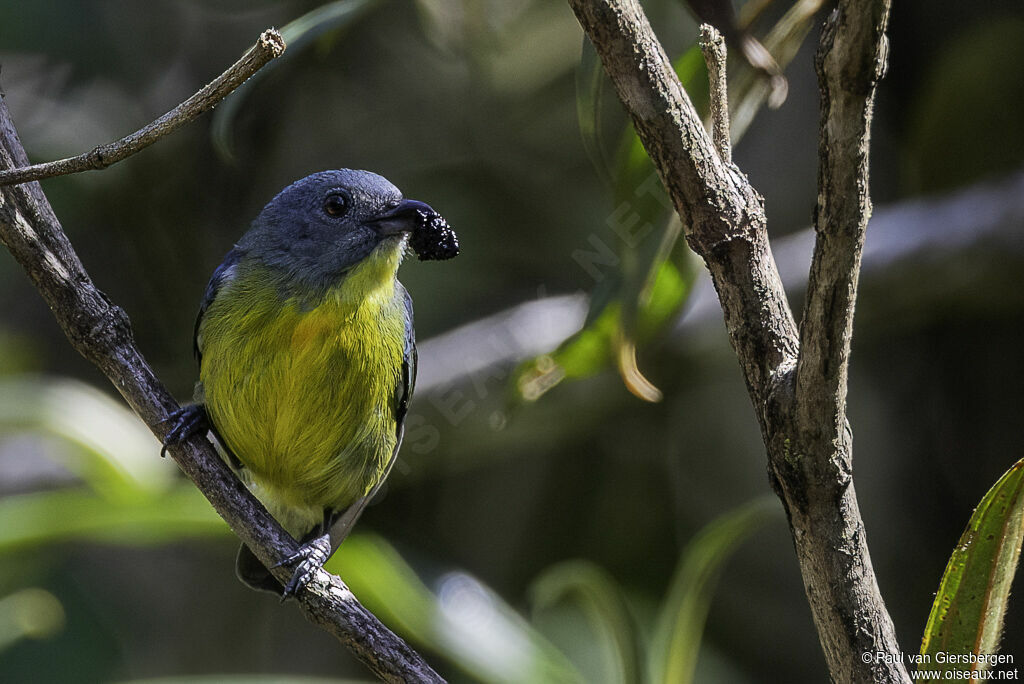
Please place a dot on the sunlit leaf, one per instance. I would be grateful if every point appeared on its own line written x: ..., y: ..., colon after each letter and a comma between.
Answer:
x: 596, y: 605
x: 28, y: 520
x: 677, y: 637
x: 967, y: 616
x: 465, y: 621
x: 585, y: 353
x: 113, y: 451
x: 593, y: 348
x: 297, y: 35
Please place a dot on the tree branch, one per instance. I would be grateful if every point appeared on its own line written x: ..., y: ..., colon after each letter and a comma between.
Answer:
x: 269, y: 46
x: 722, y: 215
x: 809, y: 457
x: 712, y: 45
x: 101, y: 332
x: 981, y: 219
x: 850, y: 61
x: 813, y: 463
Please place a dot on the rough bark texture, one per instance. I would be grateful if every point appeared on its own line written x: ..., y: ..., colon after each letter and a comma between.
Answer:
x: 811, y: 458
x: 722, y: 215
x: 101, y: 332
x: 712, y: 45
x: 797, y: 383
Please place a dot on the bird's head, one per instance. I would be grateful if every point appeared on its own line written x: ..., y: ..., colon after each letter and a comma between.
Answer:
x: 319, y: 228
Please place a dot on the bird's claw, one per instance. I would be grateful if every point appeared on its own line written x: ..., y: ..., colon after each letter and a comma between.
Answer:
x: 187, y: 421
x: 310, y: 557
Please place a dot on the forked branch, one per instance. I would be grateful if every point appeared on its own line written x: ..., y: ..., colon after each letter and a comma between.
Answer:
x: 798, y: 393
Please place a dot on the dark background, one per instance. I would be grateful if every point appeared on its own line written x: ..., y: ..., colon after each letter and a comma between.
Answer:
x: 471, y: 106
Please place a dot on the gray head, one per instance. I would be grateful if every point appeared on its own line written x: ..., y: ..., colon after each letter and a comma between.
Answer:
x: 318, y: 228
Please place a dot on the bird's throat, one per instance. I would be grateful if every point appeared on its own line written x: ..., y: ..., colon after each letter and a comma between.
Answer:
x: 372, y: 279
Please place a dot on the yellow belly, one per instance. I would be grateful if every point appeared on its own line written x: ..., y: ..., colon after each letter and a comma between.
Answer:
x: 305, y: 397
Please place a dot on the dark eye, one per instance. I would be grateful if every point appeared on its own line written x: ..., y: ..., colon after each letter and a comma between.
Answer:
x: 336, y: 204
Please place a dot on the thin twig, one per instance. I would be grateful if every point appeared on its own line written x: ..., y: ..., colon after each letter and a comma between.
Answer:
x: 712, y: 44
x: 101, y: 332
x: 269, y: 46
x: 809, y: 460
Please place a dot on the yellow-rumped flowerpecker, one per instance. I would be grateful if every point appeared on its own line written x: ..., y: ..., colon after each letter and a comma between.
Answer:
x: 307, y: 356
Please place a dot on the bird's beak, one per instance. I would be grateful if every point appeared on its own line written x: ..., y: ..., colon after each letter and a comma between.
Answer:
x: 402, y: 218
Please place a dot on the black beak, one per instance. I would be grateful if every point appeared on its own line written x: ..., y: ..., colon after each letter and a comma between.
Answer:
x: 402, y: 218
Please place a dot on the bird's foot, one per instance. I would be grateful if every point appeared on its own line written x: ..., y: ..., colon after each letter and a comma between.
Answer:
x: 310, y: 557
x: 187, y: 421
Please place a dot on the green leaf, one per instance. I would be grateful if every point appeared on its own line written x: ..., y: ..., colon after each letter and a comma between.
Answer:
x: 244, y: 679
x: 633, y: 304
x: 130, y: 495
x: 967, y: 616
x: 590, y: 81
x: 593, y: 348
x: 466, y: 622
x: 592, y: 597
x: 644, y: 218
x: 28, y: 520
x: 297, y: 35
x: 676, y: 641
x: 113, y: 451
x: 585, y: 353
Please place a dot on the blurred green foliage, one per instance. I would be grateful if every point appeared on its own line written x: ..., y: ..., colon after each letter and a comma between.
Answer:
x: 122, y: 496
x: 466, y: 622
x: 652, y: 269
x: 583, y: 510
x: 947, y: 144
x: 676, y: 640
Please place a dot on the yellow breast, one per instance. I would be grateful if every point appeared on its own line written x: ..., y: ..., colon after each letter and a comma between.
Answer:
x: 303, y: 395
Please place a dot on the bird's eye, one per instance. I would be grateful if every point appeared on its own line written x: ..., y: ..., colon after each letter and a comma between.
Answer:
x: 335, y: 205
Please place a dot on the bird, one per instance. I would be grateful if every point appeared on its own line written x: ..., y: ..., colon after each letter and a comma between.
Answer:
x: 307, y: 357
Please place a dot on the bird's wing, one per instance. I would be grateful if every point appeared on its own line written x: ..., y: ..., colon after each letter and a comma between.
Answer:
x: 344, y: 521
x: 224, y: 274
x: 404, y: 390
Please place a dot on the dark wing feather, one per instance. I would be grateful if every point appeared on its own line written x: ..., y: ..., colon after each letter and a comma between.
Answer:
x: 224, y: 273
x: 409, y: 360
